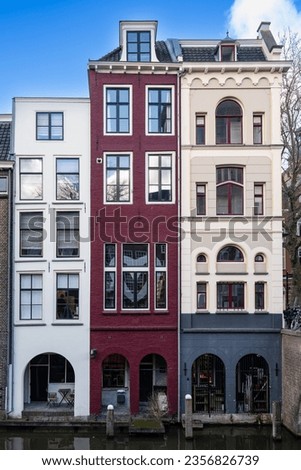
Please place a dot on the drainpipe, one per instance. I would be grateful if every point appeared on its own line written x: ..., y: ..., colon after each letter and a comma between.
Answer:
x: 9, y: 292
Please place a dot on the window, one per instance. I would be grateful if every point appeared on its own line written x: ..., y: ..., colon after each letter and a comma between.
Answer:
x: 67, y: 178
x: 229, y: 191
x: 159, y: 111
x: 31, y: 234
x: 201, y: 258
x: 200, y: 199
x: 230, y: 296
x: 138, y: 46
x: 259, y: 258
x: 117, y: 178
x: 114, y: 371
x: 135, y: 276
x: 67, y: 234
x: 257, y: 129
x: 258, y: 199
x: 31, y: 296
x: 117, y: 110
x: 228, y: 123
x: 31, y: 180
x: 161, y: 276
x: 49, y: 126
x: 3, y: 185
x: 60, y: 370
x: 110, y: 276
x: 159, y: 178
x: 201, y: 295
x: 230, y: 253
x: 67, y: 296
x: 200, y: 130
x: 227, y: 53
x: 259, y: 296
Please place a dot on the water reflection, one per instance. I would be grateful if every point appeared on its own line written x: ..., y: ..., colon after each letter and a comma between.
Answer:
x: 209, y: 438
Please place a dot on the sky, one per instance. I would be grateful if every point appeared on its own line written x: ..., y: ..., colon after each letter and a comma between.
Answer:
x: 46, y: 44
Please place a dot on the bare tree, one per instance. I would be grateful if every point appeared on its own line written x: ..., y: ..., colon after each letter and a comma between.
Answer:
x: 291, y: 157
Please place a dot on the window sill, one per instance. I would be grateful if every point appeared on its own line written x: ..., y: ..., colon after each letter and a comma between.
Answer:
x: 30, y: 323
x: 261, y: 274
x: 231, y: 312
x: 261, y: 312
x: 202, y: 312
x: 67, y: 323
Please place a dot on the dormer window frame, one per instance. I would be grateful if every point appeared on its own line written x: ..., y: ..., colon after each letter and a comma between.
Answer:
x: 232, y: 53
x: 138, y: 27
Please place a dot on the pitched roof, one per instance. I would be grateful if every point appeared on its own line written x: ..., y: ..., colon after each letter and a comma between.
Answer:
x: 5, y: 128
x: 161, y: 52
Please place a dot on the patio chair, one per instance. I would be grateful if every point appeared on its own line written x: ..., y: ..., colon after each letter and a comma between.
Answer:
x: 52, y: 399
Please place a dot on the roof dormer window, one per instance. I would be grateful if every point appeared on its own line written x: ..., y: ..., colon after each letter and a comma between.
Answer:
x: 228, y: 53
x: 138, y: 46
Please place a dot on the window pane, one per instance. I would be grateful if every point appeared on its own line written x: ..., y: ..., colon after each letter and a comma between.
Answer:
x: 161, y: 255
x: 161, y: 289
x: 56, y: 119
x: 43, y: 119
x: 109, y: 290
x: 237, y: 200
x: 31, y: 165
x: 201, y: 295
x: 67, y: 165
x: 135, y: 255
x: 110, y: 255
x: 31, y: 186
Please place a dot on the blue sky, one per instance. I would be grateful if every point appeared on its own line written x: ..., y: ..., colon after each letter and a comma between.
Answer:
x: 46, y: 44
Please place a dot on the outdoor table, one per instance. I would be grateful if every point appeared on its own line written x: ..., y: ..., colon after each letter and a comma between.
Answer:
x: 64, y: 394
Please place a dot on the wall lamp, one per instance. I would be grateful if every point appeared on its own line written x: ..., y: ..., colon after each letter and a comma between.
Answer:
x: 93, y: 353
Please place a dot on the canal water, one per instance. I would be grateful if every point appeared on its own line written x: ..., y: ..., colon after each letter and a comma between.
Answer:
x: 209, y: 438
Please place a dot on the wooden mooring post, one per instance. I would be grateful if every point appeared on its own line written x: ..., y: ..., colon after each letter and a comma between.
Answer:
x: 276, y: 420
x: 110, y: 421
x: 188, y: 417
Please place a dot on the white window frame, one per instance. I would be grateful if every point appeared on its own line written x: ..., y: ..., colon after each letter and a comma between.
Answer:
x: 156, y: 87
x: 136, y: 269
x: 173, y: 177
x: 109, y: 269
x: 159, y: 269
x: 105, y: 156
x: 5, y: 180
x: 59, y: 321
x: 18, y: 309
x: 118, y: 86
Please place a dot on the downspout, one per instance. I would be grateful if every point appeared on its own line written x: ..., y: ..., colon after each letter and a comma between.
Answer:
x: 9, y: 393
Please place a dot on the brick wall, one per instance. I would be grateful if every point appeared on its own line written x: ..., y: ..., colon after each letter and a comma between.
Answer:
x: 291, y: 380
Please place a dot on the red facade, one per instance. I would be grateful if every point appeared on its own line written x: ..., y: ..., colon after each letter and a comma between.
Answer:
x: 145, y: 338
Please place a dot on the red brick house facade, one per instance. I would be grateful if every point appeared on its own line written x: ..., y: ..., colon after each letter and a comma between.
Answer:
x: 134, y: 210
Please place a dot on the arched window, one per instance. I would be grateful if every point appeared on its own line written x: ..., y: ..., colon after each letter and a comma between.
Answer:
x: 229, y: 191
x: 230, y: 253
x: 259, y: 258
x: 228, y: 123
x: 201, y: 258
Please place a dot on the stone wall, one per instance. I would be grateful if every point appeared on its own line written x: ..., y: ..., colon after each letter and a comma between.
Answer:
x: 291, y: 380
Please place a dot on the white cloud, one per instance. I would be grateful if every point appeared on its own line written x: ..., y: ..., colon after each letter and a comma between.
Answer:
x: 246, y: 15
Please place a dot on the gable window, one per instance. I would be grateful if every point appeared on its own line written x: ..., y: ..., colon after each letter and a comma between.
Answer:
x: 200, y: 130
x: 201, y: 295
x: 118, y: 178
x: 259, y: 295
x: 117, y: 110
x: 161, y: 276
x: 138, y: 46
x: 258, y: 199
x: 67, y: 296
x: 49, y: 126
x: 200, y: 199
x: 31, y: 179
x: 110, y: 276
x: 159, y: 178
x: 257, y: 128
x: 135, y: 276
x: 230, y: 295
x: 67, y: 178
x: 31, y: 234
x: 230, y: 253
x: 30, y: 297
x: 67, y: 234
x: 228, y: 123
x: 3, y: 185
x: 229, y: 191
x: 159, y: 111
x: 259, y: 258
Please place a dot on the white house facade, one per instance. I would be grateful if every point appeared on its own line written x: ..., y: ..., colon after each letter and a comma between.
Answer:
x: 51, y: 143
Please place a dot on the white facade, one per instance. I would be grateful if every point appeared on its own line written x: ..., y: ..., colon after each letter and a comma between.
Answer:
x: 255, y: 87
x: 51, y: 142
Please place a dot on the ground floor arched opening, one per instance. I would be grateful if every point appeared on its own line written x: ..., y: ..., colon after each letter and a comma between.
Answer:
x: 252, y: 385
x: 49, y: 378
x: 153, y: 380
x: 208, y: 384
x: 115, y: 381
